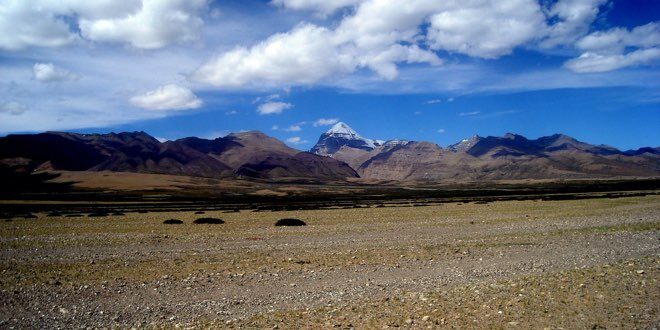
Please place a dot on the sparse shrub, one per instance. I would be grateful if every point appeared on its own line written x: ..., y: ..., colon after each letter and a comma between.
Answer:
x: 117, y: 213
x: 172, y: 222
x: 199, y: 212
x: 54, y: 214
x: 211, y: 221
x: 290, y: 222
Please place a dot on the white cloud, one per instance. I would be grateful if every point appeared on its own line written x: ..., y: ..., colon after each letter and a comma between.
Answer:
x: 471, y: 113
x: 47, y: 72
x: 616, y: 40
x: 573, y: 20
x: 12, y: 108
x: 434, y: 101
x: 617, y: 48
x: 417, y: 113
x: 309, y: 54
x: 293, y: 128
x: 451, y: 99
x: 325, y: 122
x: 441, y: 131
x: 158, y: 23
x: 275, y: 128
x: 379, y: 35
x: 144, y: 24
x: 302, y: 56
x: 231, y: 112
x: 272, y: 97
x: 296, y: 140
x: 487, y: 29
x: 23, y: 25
x: 323, y: 7
x: 273, y: 108
x: 593, y: 62
x: 168, y: 97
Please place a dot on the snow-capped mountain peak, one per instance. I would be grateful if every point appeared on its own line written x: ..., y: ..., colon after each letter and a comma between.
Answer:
x: 340, y: 134
x: 341, y: 128
x: 465, y: 144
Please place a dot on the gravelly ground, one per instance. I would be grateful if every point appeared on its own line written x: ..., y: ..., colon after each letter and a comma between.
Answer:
x: 573, y: 264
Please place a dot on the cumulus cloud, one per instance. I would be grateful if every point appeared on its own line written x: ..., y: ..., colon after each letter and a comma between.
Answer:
x: 434, y: 101
x: 487, y: 29
x: 309, y: 54
x: 617, y: 48
x: 380, y: 35
x: 573, y: 20
x: 156, y: 24
x: 271, y: 108
x: 293, y: 128
x: 325, y: 122
x: 302, y: 56
x: 23, y: 25
x: 296, y: 140
x: 323, y: 7
x: 144, y: 24
x: 168, y: 97
x: 594, y: 62
x: 47, y: 72
x: 12, y: 108
x: 441, y: 131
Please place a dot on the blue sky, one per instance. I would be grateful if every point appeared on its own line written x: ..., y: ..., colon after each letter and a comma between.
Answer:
x: 428, y: 70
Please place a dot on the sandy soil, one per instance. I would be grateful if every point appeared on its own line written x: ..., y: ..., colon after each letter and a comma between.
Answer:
x: 573, y: 264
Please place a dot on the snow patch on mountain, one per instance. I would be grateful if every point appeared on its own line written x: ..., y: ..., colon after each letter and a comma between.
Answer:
x: 465, y: 144
x: 340, y: 134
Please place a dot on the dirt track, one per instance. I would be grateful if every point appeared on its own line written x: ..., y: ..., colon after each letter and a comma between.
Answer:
x: 580, y: 263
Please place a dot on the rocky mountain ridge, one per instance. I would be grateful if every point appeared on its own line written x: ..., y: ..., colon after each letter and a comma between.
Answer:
x: 511, y: 156
x: 340, y: 154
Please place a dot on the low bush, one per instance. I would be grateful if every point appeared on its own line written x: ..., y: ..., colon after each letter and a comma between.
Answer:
x: 211, y: 221
x: 290, y: 222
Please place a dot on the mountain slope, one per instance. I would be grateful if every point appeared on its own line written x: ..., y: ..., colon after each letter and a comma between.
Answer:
x: 509, y: 157
x: 256, y: 155
x: 341, y: 135
x: 141, y: 153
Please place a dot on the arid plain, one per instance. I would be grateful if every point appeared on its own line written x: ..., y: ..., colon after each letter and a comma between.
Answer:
x: 585, y: 263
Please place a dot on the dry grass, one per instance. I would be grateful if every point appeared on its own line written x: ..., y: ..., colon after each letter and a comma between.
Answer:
x: 135, y: 250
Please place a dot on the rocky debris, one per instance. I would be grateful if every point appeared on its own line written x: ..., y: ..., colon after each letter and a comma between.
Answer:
x: 570, y: 264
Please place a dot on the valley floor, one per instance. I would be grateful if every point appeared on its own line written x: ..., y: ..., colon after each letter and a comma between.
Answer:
x: 531, y: 264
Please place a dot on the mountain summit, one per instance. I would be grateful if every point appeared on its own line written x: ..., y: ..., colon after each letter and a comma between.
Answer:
x: 340, y: 135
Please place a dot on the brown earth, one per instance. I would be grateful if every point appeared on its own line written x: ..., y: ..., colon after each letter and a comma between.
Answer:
x: 529, y: 264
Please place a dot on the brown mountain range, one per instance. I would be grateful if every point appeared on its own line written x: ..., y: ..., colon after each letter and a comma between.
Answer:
x: 339, y: 155
x: 251, y: 154
x: 485, y: 158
